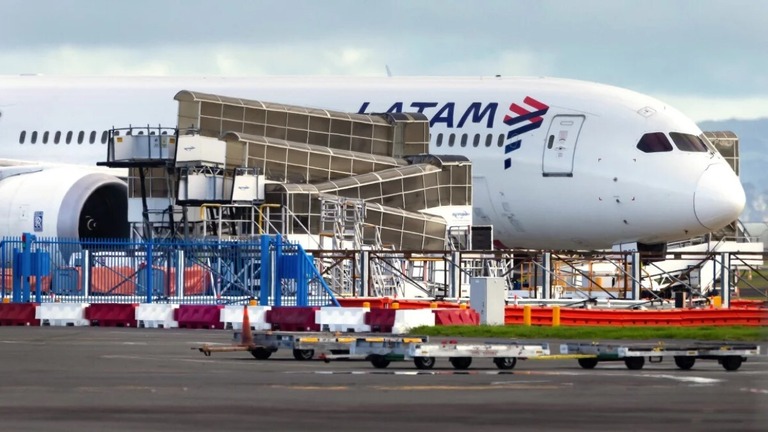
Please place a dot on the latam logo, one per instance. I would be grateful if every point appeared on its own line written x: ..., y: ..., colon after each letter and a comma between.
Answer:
x: 524, y: 120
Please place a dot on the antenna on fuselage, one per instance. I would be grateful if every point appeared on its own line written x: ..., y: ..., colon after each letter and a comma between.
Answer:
x: 389, y: 72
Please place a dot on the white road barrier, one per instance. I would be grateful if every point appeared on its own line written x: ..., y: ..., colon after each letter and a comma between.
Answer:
x: 342, y: 319
x: 154, y: 315
x: 232, y: 317
x: 406, y: 319
x: 62, y: 314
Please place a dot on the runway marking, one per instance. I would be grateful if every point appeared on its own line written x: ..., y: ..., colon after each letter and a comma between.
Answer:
x: 22, y: 342
x: 754, y: 390
x: 305, y: 387
x: 686, y: 379
x: 512, y: 386
x: 519, y: 382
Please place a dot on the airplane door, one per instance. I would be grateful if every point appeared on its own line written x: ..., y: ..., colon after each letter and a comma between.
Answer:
x: 560, y: 145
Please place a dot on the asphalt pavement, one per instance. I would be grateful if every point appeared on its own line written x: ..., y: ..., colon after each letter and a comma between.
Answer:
x: 116, y: 379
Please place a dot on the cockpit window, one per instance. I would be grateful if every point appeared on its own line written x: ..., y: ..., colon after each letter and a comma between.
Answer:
x: 708, y: 143
x: 654, y: 142
x: 688, y: 143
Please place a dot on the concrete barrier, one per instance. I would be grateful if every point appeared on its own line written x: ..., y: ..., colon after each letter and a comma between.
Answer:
x: 111, y: 314
x: 18, y: 314
x: 199, y: 316
x: 342, y: 319
x: 232, y: 317
x: 62, y: 314
x: 407, y: 319
x: 153, y: 315
x: 293, y: 318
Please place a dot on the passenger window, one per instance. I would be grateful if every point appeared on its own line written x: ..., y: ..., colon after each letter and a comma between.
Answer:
x: 439, y: 139
x: 92, y: 138
x: 22, y: 137
x: 488, y: 140
x: 464, y: 140
x: 501, y: 140
x: 80, y: 137
x: 451, y: 140
x: 688, y: 142
x: 34, y: 137
x: 104, y: 137
x: 69, y: 137
x: 45, y: 137
x: 654, y: 142
x: 57, y: 137
x: 476, y: 142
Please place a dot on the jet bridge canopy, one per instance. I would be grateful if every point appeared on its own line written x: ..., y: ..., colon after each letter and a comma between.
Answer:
x: 380, y: 134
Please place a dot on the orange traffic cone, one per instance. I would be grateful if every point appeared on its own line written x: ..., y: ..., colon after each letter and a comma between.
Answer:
x: 247, y: 336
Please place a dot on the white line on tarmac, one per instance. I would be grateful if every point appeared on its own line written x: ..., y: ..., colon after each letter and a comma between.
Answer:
x: 685, y: 379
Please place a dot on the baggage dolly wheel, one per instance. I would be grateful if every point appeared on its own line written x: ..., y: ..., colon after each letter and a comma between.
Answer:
x: 261, y: 353
x: 424, y: 362
x: 303, y: 354
x: 685, y: 362
x: 731, y: 363
x: 379, y: 361
x: 460, y: 362
x: 505, y: 362
x: 587, y: 363
x: 634, y: 363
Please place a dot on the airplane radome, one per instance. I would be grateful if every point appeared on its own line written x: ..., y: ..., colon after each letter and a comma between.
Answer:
x: 557, y: 164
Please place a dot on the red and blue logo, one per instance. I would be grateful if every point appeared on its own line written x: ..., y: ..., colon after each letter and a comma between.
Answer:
x: 524, y: 120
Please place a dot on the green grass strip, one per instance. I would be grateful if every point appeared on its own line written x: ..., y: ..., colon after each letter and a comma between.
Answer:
x: 720, y: 333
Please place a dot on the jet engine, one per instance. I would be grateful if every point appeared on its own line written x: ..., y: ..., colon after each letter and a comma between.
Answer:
x: 63, y: 202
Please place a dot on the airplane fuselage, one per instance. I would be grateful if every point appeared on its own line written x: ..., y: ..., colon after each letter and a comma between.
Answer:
x: 556, y: 163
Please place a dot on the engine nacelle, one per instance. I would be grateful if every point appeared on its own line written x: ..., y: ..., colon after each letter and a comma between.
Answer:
x: 64, y: 202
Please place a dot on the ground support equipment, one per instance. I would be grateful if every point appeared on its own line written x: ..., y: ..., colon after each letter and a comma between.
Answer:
x: 729, y: 355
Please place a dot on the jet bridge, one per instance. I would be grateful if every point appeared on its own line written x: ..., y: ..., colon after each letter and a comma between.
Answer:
x: 301, y: 162
x: 392, y: 134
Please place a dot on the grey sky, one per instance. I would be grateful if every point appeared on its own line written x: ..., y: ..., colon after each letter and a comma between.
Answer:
x: 706, y: 57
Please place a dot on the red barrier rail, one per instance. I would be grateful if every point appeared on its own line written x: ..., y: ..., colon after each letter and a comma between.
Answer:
x: 381, y: 320
x: 293, y: 318
x: 456, y: 317
x: 199, y: 316
x: 386, y: 303
x: 112, y: 314
x: 608, y: 317
x: 18, y: 314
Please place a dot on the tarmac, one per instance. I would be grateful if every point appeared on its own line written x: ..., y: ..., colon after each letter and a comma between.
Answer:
x: 121, y: 379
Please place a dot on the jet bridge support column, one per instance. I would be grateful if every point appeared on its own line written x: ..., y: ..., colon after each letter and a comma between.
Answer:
x: 455, y: 275
x: 725, y: 279
x: 634, y: 265
x: 546, y: 275
x: 180, y: 266
x: 365, y: 257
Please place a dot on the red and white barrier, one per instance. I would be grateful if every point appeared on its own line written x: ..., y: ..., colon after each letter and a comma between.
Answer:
x: 406, y: 319
x: 154, y: 315
x: 62, y: 314
x: 232, y: 317
x: 342, y: 319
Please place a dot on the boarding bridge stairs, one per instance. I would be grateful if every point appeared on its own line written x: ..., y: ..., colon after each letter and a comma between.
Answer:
x: 342, y: 223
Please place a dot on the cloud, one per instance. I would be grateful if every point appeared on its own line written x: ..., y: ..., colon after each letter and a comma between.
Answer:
x: 703, y: 108
x: 305, y: 58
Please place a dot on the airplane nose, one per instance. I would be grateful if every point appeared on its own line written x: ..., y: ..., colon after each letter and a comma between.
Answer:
x: 719, y: 197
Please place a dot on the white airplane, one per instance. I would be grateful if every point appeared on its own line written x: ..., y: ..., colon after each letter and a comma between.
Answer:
x: 557, y: 164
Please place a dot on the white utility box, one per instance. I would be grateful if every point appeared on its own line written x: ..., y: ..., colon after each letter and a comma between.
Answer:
x: 199, y: 150
x: 248, y: 187
x: 205, y: 187
x: 144, y: 147
x: 487, y: 296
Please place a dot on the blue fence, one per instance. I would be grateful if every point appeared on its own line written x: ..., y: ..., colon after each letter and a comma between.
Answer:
x: 268, y: 268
